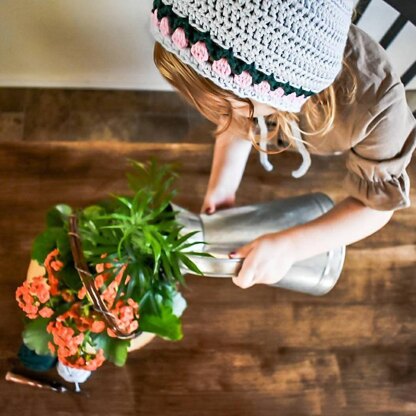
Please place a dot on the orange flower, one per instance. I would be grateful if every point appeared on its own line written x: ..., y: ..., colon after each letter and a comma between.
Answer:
x: 100, y: 267
x: 126, y: 317
x: 53, y: 265
x: 64, y: 337
x: 96, y: 362
x: 74, y: 313
x: 25, y: 300
x: 80, y: 362
x: 97, y: 326
x: 31, y: 295
x: 83, y: 323
x: 40, y: 288
x: 51, y: 347
x: 56, y: 265
x: 90, y: 364
x: 109, y: 294
x: 82, y: 292
x: 67, y: 296
x: 110, y: 333
x: 99, y: 281
x: 69, y: 340
x: 46, y: 312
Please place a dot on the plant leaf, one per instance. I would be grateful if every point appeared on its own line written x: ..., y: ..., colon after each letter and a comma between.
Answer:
x: 190, y: 265
x: 69, y: 275
x: 93, y: 212
x: 35, y: 336
x: 58, y: 215
x: 47, y: 241
x: 115, y: 350
x: 166, y: 325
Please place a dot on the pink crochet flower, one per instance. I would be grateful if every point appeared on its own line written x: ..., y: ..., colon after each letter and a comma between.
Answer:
x: 154, y: 18
x: 164, y: 26
x: 200, y: 52
x: 279, y: 92
x: 262, y: 88
x: 179, y: 38
x: 244, y: 79
x: 292, y: 97
x: 222, y: 67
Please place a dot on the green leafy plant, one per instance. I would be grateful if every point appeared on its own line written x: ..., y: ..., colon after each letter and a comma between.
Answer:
x: 136, y: 247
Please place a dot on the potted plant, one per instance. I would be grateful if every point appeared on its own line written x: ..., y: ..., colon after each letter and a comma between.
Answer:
x: 105, y: 279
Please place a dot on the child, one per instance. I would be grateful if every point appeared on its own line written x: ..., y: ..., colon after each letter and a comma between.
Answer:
x: 304, y: 66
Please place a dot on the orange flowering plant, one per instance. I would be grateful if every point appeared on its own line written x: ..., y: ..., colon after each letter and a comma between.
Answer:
x: 134, y: 249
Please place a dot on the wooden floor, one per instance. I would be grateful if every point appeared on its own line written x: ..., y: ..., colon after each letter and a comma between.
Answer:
x: 256, y: 352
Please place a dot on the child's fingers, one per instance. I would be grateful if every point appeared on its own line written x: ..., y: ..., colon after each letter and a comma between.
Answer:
x: 228, y: 203
x: 246, y: 274
x: 245, y: 277
x: 208, y: 207
x: 241, y: 252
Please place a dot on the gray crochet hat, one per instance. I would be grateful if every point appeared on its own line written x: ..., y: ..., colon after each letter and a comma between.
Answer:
x: 277, y: 52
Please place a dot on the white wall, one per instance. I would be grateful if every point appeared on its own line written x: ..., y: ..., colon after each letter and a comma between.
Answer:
x: 106, y: 43
x: 77, y: 43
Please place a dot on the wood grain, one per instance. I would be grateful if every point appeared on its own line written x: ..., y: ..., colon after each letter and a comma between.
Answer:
x: 261, y: 351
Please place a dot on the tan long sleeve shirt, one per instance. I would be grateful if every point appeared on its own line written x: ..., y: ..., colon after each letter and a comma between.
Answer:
x: 378, y: 130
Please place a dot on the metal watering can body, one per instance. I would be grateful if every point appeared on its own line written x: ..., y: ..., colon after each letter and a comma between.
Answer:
x: 228, y: 229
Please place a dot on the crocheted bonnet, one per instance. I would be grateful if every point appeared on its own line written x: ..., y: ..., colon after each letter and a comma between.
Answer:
x: 278, y: 52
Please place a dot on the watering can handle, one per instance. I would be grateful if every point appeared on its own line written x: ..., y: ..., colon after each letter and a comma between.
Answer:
x: 88, y: 281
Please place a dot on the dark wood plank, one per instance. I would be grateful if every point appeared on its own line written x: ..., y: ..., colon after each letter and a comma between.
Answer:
x: 261, y: 351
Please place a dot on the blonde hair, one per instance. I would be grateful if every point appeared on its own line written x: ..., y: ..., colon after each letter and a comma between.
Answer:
x: 214, y: 102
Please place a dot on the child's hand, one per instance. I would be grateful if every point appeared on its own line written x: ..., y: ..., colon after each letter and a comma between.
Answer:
x: 267, y: 259
x: 217, y: 199
x: 229, y: 161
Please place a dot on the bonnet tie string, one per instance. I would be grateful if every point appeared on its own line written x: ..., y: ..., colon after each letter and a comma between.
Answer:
x: 300, y: 147
x: 306, y: 157
x: 263, y: 144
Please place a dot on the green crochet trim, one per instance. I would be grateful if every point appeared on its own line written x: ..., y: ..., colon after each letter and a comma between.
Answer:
x: 216, y: 52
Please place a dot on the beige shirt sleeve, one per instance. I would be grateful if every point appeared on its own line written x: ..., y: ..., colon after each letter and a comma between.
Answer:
x: 385, y: 139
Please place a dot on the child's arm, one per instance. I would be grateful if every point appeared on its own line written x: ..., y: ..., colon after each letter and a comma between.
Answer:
x: 229, y: 160
x: 269, y: 257
x: 348, y: 222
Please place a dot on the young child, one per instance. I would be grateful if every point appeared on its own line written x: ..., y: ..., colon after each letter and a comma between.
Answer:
x: 305, y: 67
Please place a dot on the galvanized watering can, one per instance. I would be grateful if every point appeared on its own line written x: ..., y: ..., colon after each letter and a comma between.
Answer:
x: 231, y: 228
